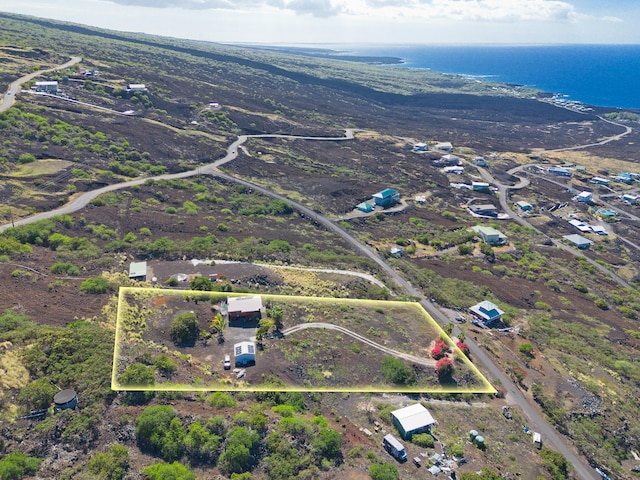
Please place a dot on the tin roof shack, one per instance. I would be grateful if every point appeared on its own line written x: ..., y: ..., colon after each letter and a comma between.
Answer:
x: 138, y: 271
x: 65, y: 400
x: 245, y: 309
x: 412, y: 419
x: 47, y: 86
x: 490, y: 235
x: 387, y: 197
x: 486, y: 210
x: 245, y: 354
x: 487, y: 311
x: 578, y: 241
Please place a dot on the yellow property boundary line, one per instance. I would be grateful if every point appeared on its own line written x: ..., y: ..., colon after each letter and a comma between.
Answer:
x: 484, y: 388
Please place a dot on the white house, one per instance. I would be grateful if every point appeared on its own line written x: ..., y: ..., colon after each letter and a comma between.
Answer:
x: 137, y: 87
x: 487, y: 311
x: 583, y: 197
x: 47, y: 86
x: 444, y: 146
x: 245, y: 353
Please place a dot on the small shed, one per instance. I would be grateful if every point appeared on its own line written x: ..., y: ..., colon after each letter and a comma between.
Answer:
x: 600, y: 181
x: 412, y: 419
x: 487, y: 311
x: 245, y: 353
x: 578, y: 241
x: 247, y: 308
x: 524, y: 206
x: 454, y: 169
x: 137, y: 87
x: 396, y: 251
x: 420, y: 147
x: 65, y: 399
x: 386, y: 197
x: 138, y: 271
x: 583, y: 227
x: 365, y: 207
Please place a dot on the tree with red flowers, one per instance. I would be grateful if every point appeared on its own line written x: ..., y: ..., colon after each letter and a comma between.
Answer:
x: 444, y: 368
x: 464, y: 348
x: 440, y: 349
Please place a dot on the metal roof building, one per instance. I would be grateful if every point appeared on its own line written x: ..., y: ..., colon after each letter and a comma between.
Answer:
x: 412, y: 419
x: 245, y: 353
x: 487, y: 311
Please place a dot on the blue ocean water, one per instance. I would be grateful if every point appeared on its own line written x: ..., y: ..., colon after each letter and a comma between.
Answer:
x: 603, y: 75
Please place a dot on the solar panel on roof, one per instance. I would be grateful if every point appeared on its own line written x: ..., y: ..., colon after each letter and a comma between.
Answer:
x: 238, y: 351
x: 250, y: 349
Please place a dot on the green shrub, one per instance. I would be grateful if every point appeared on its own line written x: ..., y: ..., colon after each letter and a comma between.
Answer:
x: 65, y: 268
x: 110, y: 465
x: 165, y: 365
x: 526, y: 349
x: 96, y: 285
x: 168, y: 471
x: 221, y: 400
x: 397, y: 372
x: 171, y: 210
x: 423, y: 440
x: 601, y: 303
x: 26, y: 158
x: 37, y: 394
x: 383, y: 471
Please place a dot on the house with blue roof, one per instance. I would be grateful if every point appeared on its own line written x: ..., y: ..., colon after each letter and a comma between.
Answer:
x: 365, y: 207
x: 487, y: 311
x: 387, y: 197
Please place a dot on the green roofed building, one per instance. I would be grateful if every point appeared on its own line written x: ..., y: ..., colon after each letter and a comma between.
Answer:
x: 490, y: 235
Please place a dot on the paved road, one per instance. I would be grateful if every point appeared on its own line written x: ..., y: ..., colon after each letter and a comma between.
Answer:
x: 427, y: 362
x: 8, y: 98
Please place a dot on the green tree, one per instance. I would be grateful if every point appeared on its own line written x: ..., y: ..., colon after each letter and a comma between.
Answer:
x: 165, y: 365
x: 185, y: 329
x: 110, y: 465
x: 202, y: 284
x: 16, y: 465
x: 201, y: 446
x: 137, y: 375
x: 555, y: 463
x: 276, y: 313
x: 173, y: 442
x: 383, y: 471
x: 152, y: 426
x: 65, y: 268
x: 168, y: 471
x: 526, y: 349
x: 423, y: 440
x: 327, y: 443
x: 218, y: 324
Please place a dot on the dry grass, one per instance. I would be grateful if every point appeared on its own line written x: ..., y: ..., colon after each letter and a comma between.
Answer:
x: 13, y: 374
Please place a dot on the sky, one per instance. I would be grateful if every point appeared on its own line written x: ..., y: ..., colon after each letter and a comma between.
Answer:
x: 288, y: 22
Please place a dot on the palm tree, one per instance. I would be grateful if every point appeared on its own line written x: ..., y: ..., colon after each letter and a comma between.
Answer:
x: 218, y: 324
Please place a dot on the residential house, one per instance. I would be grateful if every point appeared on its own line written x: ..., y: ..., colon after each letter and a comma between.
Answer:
x: 490, y: 235
x: 245, y: 354
x: 386, y: 198
x: 412, y: 419
x: 420, y: 147
x: 524, y: 206
x: 585, y: 197
x: 136, y: 87
x: 455, y: 170
x: 559, y: 171
x: 396, y: 251
x: 480, y: 187
x: 599, y: 229
x: 138, y: 271
x: 486, y: 311
x: 600, y: 181
x: 444, y: 146
x: 578, y: 241
x: 248, y: 308
x: 583, y: 227
x: 624, y: 178
x: 632, y: 199
x: 47, y: 87
x: 487, y: 210
x: 480, y: 162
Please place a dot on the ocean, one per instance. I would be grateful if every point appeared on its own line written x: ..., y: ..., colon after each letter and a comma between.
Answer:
x: 602, y: 75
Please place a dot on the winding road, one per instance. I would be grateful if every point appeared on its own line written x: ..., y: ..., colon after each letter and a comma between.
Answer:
x: 427, y: 362
x: 513, y: 394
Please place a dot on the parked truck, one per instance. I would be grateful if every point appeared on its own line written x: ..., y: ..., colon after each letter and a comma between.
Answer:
x: 537, y: 440
x: 394, y: 447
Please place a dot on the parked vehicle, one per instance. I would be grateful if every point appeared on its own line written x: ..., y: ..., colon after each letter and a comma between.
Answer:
x: 227, y: 362
x: 394, y: 447
x: 537, y: 440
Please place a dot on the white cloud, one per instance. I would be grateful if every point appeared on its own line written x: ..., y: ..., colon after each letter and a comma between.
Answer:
x: 458, y: 10
x: 612, y: 19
